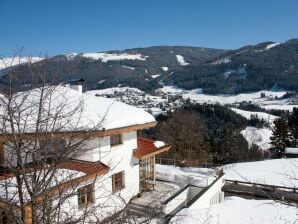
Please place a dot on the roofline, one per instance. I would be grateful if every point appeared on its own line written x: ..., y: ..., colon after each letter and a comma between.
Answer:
x: 158, y: 151
x: 90, y: 133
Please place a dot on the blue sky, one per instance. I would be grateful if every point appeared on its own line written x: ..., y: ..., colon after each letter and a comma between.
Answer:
x: 63, y: 26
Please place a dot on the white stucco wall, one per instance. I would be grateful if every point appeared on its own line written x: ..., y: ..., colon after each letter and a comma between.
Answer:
x: 212, y: 196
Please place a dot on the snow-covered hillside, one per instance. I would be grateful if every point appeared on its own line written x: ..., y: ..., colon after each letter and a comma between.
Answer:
x: 257, y: 136
x: 281, y: 172
x: 235, y: 210
x: 105, y: 57
x: 9, y: 62
x: 260, y: 115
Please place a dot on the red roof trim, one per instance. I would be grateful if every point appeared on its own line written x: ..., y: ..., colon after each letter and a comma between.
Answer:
x: 146, y: 148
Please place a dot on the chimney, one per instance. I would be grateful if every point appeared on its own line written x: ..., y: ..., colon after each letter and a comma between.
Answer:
x: 77, y: 84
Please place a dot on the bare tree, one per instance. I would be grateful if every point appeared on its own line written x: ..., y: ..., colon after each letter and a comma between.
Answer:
x: 41, y: 131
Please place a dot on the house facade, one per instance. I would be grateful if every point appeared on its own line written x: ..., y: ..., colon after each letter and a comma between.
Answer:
x: 115, y: 167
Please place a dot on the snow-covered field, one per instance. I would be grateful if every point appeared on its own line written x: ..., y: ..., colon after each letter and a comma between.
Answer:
x: 235, y: 210
x: 198, y: 96
x: 281, y: 172
x: 257, y: 136
x: 261, y: 115
x: 200, y: 177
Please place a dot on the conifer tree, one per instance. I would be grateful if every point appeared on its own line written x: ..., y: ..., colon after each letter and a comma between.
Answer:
x: 280, y: 135
x: 293, y: 128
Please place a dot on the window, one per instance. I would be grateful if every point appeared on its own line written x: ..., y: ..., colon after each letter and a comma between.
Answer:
x: 118, y: 181
x: 116, y: 140
x: 51, y: 147
x: 86, y: 195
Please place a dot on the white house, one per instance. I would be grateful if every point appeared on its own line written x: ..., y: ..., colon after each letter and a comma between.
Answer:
x: 116, y: 166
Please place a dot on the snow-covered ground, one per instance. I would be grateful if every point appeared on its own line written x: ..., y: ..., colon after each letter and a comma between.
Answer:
x: 281, y: 172
x: 200, y: 177
x: 257, y: 136
x: 9, y: 62
x: 197, y: 96
x: 235, y: 210
x: 261, y: 115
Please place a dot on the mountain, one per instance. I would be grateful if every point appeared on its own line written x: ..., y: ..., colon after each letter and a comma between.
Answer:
x: 139, y: 67
x: 268, y: 65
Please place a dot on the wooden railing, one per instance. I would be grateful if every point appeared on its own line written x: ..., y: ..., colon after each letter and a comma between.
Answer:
x: 177, y: 162
x: 263, y: 186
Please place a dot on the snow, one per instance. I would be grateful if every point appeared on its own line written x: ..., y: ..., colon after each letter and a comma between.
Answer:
x: 171, y: 90
x: 280, y: 172
x: 221, y: 61
x: 257, y: 136
x: 290, y: 150
x: 236, y: 210
x: 155, y: 76
x: 200, y: 177
x: 261, y: 115
x: 77, y: 111
x: 101, y: 81
x: 105, y: 57
x: 269, y: 46
x: 165, y: 68
x: 181, y: 60
x: 279, y: 107
x: 159, y: 144
x: 198, y: 96
x: 9, y: 62
x: 71, y: 56
x: 128, y: 67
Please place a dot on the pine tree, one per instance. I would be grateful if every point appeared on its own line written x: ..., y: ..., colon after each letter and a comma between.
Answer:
x: 293, y: 128
x: 280, y: 135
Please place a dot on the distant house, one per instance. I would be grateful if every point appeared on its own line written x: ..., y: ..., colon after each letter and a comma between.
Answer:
x: 291, y: 152
x: 124, y: 162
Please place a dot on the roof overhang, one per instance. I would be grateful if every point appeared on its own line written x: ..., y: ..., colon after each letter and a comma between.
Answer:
x: 85, y: 134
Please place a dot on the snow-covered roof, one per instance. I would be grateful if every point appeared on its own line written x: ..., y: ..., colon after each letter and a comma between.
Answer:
x: 289, y: 150
x: 65, y: 109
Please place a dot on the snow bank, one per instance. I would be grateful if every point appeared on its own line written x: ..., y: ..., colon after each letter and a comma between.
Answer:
x: 235, y: 210
x: 200, y: 177
x: 9, y: 62
x: 281, y: 172
x: 257, y: 136
x: 105, y: 57
x: 181, y: 60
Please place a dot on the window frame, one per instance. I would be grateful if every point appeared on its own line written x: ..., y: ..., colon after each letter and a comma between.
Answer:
x: 86, y: 192
x: 115, y: 182
x: 114, y: 143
